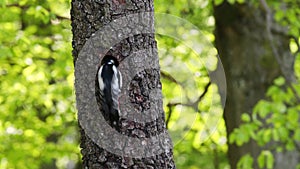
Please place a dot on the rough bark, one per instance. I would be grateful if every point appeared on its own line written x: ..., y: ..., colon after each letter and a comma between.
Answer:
x: 89, y: 16
x: 250, y: 66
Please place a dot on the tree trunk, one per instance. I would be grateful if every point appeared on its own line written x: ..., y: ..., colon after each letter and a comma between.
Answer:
x: 250, y: 64
x: 136, y: 144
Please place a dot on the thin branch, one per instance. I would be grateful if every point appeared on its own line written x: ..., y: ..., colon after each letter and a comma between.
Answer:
x: 17, y: 5
x: 194, y: 105
x: 62, y: 17
x: 169, y: 115
x: 297, y: 44
x: 170, y: 106
x: 204, y: 92
x: 169, y: 77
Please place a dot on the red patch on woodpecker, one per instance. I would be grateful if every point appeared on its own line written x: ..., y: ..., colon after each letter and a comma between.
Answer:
x: 139, y: 98
x: 119, y: 2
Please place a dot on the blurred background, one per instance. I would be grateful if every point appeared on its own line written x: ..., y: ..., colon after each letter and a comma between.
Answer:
x: 38, y: 121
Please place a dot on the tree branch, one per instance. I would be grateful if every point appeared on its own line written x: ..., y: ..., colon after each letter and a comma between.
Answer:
x: 297, y: 44
x: 194, y: 105
x: 169, y: 77
x: 169, y: 115
x: 204, y: 92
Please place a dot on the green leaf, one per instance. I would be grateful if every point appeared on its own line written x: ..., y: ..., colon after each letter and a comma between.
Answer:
x: 218, y: 2
x: 245, y: 162
x: 246, y: 117
x: 265, y: 160
x: 297, y: 134
x: 279, y: 15
x: 267, y: 135
x: 3, y: 3
x: 292, y: 118
x: 231, y: 1
x: 240, y: 1
x: 262, y: 108
x: 294, y: 31
x: 232, y: 138
x: 275, y: 135
x: 283, y: 133
x: 260, y: 138
x: 275, y: 93
x: 278, y: 107
x: 270, y: 160
x: 261, y: 160
x: 239, y: 135
x: 290, y: 145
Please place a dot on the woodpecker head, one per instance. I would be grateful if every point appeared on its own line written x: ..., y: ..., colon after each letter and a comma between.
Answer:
x: 110, y: 60
x: 109, y: 78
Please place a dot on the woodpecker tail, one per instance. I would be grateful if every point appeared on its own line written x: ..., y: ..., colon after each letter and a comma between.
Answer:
x: 114, y: 118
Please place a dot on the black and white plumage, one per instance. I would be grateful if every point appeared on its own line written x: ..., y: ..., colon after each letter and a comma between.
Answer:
x: 110, y: 83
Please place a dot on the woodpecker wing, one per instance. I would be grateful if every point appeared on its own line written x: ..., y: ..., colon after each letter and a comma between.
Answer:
x: 116, y: 87
x: 100, y: 79
x: 107, y: 76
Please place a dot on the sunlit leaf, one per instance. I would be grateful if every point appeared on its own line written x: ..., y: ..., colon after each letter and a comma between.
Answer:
x: 245, y: 162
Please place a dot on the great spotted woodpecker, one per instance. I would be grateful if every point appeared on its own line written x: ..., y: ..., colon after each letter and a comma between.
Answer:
x: 110, y: 83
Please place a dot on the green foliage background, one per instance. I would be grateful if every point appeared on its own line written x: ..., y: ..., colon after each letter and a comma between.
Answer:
x: 38, y: 120
x: 274, y: 121
x: 38, y: 126
x: 198, y: 131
